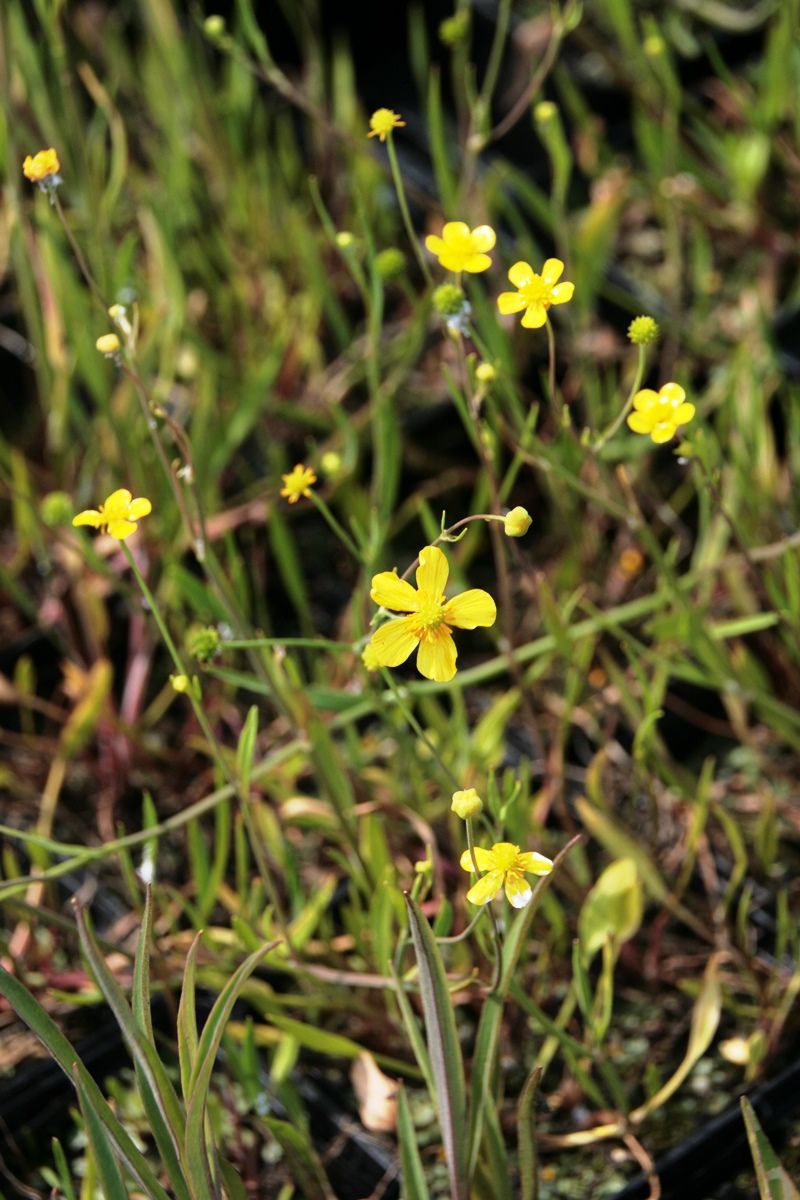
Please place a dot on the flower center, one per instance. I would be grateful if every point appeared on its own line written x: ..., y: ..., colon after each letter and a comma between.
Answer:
x: 536, y: 291
x: 430, y: 614
x: 505, y: 855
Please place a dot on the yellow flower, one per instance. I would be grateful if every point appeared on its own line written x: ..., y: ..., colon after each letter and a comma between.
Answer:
x: 461, y: 248
x: 41, y: 166
x: 506, y: 866
x: 107, y: 343
x: 383, y: 121
x: 660, y: 413
x: 118, y: 514
x: 517, y: 522
x: 485, y: 373
x: 466, y: 804
x: 298, y: 483
x: 430, y: 619
x: 535, y: 293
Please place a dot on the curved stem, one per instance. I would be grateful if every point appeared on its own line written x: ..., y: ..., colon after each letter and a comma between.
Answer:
x: 615, y: 424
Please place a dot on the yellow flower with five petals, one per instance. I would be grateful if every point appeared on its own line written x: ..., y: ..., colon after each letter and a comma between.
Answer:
x: 535, y: 293
x: 506, y: 867
x: 660, y: 413
x: 431, y: 618
x: 461, y: 248
x: 118, y: 514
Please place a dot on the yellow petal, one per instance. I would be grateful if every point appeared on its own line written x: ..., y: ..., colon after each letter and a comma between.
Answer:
x: 432, y: 572
x: 121, y: 529
x: 518, y: 890
x: 455, y: 231
x: 644, y: 400
x: 470, y: 609
x: 434, y: 244
x: 483, y: 239
x: 436, y: 657
x: 663, y: 432
x: 391, y: 591
x: 510, y: 302
x: 89, y: 516
x: 552, y: 270
x: 640, y: 422
x: 534, y: 864
x: 453, y: 259
x: 673, y: 392
x: 476, y: 263
x: 118, y: 501
x: 520, y: 274
x: 683, y: 414
x: 534, y: 316
x: 484, y: 859
x: 486, y: 888
x: 562, y: 293
x: 392, y: 643
x: 139, y: 508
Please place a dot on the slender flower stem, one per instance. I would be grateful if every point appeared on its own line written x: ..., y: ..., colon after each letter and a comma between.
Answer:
x: 83, y: 266
x: 341, y: 534
x: 615, y: 424
x: 401, y: 199
x: 415, y: 725
x: 551, y: 372
x: 215, y: 748
x: 498, y: 945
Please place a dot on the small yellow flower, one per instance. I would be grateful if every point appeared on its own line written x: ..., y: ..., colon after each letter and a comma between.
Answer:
x: 506, y: 866
x: 383, y: 121
x: 298, y: 483
x: 485, y: 372
x: 431, y: 616
x: 466, y: 804
x: 118, y: 514
x: 517, y: 522
x: 461, y: 248
x: 41, y: 166
x: 660, y: 413
x: 535, y: 293
x: 107, y: 343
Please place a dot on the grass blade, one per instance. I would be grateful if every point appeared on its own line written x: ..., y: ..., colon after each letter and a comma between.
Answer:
x: 187, y: 1020
x: 414, y: 1186
x: 773, y: 1182
x: 444, y: 1048
x: 111, y: 1182
x: 526, y: 1136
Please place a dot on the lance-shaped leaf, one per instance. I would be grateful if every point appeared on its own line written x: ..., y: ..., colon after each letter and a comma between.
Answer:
x: 444, y: 1049
x: 773, y: 1182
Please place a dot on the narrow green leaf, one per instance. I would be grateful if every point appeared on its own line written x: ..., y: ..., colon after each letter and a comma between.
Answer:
x: 526, y: 1136
x: 773, y: 1182
x: 187, y: 1019
x: 111, y: 1181
x: 62, y: 1170
x: 141, y: 971
x: 413, y: 1185
x: 246, y: 749
x: 31, y: 1012
x: 305, y: 1167
x: 444, y: 1048
x: 196, y: 1149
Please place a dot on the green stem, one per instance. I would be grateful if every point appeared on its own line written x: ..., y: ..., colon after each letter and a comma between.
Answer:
x: 215, y: 748
x: 415, y: 725
x: 615, y: 424
x: 498, y: 945
x: 340, y: 533
x: 401, y: 199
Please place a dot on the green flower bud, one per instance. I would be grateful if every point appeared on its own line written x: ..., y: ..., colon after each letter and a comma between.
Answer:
x: 202, y: 642
x: 390, y: 263
x: 449, y: 300
x: 56, y: 508
x: 642, y: 331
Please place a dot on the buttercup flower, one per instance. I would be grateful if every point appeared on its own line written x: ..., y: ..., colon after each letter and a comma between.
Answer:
x: 428, y: 626
x: 41, y: 166
x: 660, y: 413
x: 118, y: 514
x: 535, y: 293
x: 466, y: 804
x: 517, y: 522
x: 383, y: 121
x: 298, y: 483
x: 107, y: 343
x: 642, y: 331
x: 506, y: 866
x: 461, y: 248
